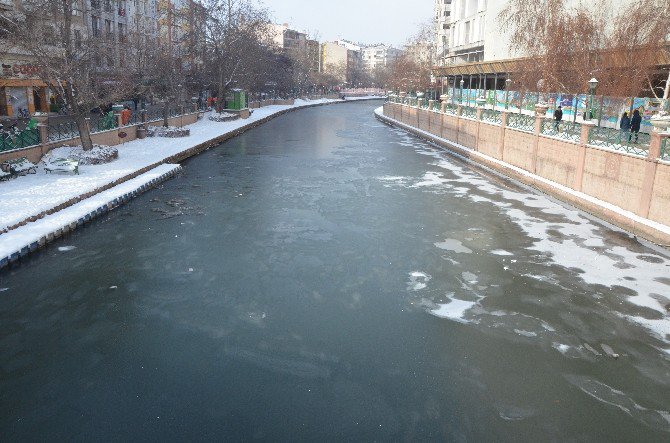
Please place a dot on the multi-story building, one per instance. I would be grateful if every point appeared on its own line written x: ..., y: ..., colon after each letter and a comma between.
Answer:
x: 475, y: 33
x: 341, y: 59
x: 107, y: 21
x: 442, y: 30
x: 379, y: 56
x: 181, y: 27
x: 297, y: 45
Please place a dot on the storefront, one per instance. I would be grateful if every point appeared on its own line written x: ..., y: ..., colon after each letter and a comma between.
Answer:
x: 20, y: 90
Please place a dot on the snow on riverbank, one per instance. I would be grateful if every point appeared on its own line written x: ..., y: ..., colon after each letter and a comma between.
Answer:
x: 31, y: 195
x: 17, y: 239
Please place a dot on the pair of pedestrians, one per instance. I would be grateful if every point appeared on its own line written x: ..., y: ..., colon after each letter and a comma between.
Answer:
x: 630, y: 126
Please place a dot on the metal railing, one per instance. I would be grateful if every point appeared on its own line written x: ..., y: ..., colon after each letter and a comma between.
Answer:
x: 522, y: 122
x: 104, y: 123
x: 468, y: 112
x: 665, y: 149
x: 629, y: 142
x: 62, y: 131
x: 154, y: 115
x: 19, y: 140
x: 565, y: 130
x: 451, y: 108
x: 491, y: 116
x: 437, y: 106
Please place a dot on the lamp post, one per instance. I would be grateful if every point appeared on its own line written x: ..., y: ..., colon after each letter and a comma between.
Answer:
x: 593, y: 84
x: 453, y: 91
x: 508, y: 83
x: 461, y: 98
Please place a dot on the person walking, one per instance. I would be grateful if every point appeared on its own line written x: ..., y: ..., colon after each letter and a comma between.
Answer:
x: 625, y: 127
x: 558, y: 117
x: 635, y: 123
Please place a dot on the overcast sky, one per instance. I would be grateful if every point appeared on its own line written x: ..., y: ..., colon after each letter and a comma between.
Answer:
x: 367, y: 21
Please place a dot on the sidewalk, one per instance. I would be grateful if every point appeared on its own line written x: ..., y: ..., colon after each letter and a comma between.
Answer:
x: 25, y: 200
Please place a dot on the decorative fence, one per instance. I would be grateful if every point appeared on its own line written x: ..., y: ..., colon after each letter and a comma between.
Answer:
x: 451, y: 108
x: 19, y: 139
x: 522, y: 122
x: 468, y: 112
x: 62, y: 131
x: 631, y: 143
x: 491, y: 116
x: 104, y: 123
x: 565, y: 130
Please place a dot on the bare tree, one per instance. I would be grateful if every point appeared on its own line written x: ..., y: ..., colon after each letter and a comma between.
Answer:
x: 83, y: 66
x: 238, y: 35
x: 567, y: 43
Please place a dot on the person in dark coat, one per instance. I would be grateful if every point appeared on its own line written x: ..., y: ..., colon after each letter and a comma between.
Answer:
x: 635, y: 123
x: 558, y: 116
x: 625, y: 126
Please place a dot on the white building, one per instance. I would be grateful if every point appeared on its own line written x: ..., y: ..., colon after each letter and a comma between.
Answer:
x: 379, y: 56
x: 442, y: 30
x: 475, y: 33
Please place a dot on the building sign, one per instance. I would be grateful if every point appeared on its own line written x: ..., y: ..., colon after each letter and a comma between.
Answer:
x: 16, y: 69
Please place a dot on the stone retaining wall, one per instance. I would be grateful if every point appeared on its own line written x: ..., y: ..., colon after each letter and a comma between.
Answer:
x: 639, y: 185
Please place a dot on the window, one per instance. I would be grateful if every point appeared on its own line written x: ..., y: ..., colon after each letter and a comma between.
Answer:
x: 77, y: 39
x: 95, y: 26
x: 109, y: 31
x: 122, y: 36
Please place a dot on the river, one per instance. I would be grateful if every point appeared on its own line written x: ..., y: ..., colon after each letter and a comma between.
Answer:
x: 326, y: 277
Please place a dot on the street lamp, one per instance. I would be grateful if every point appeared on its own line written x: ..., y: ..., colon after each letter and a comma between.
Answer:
x: 593, y: 84
x: 508, y: 84
x: 462, y: 83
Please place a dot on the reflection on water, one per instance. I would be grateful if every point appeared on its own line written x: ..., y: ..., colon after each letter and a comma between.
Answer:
x: 327, y: 277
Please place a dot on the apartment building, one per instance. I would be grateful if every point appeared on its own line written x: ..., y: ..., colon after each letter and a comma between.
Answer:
x: 341, y: 59
x: 21, y: 89
x: 442, y: 30
x: 297, y: 44
x: 475, y: 32
x: 181, y: 26
x: 379, y: 56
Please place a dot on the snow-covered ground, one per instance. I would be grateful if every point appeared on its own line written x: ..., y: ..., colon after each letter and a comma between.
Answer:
x: 31, y: 195
x: 17, y: 239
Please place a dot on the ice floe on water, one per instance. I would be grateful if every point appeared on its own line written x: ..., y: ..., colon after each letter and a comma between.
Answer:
x: 562, y: 236
x: 418, y: 281
x: 454, y: 245
x: 501, y: 252
x: 66, y: 248
x: 454, y: 310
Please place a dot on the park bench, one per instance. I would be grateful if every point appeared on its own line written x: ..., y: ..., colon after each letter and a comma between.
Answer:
x: 19, y: 166
x: 62, y: 165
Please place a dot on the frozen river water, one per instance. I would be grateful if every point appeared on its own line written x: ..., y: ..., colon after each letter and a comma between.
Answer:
x: 326, y: 277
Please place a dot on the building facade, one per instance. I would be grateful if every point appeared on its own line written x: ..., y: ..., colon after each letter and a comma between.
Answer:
x: 108, y: 22
x: 377, y: 56
x: 297, y: 45
x: 342, y: 59
x: 442, y: 30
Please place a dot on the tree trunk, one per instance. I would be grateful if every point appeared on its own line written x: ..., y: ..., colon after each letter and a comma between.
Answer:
x: 166, y: 111
x: 84, y: 132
